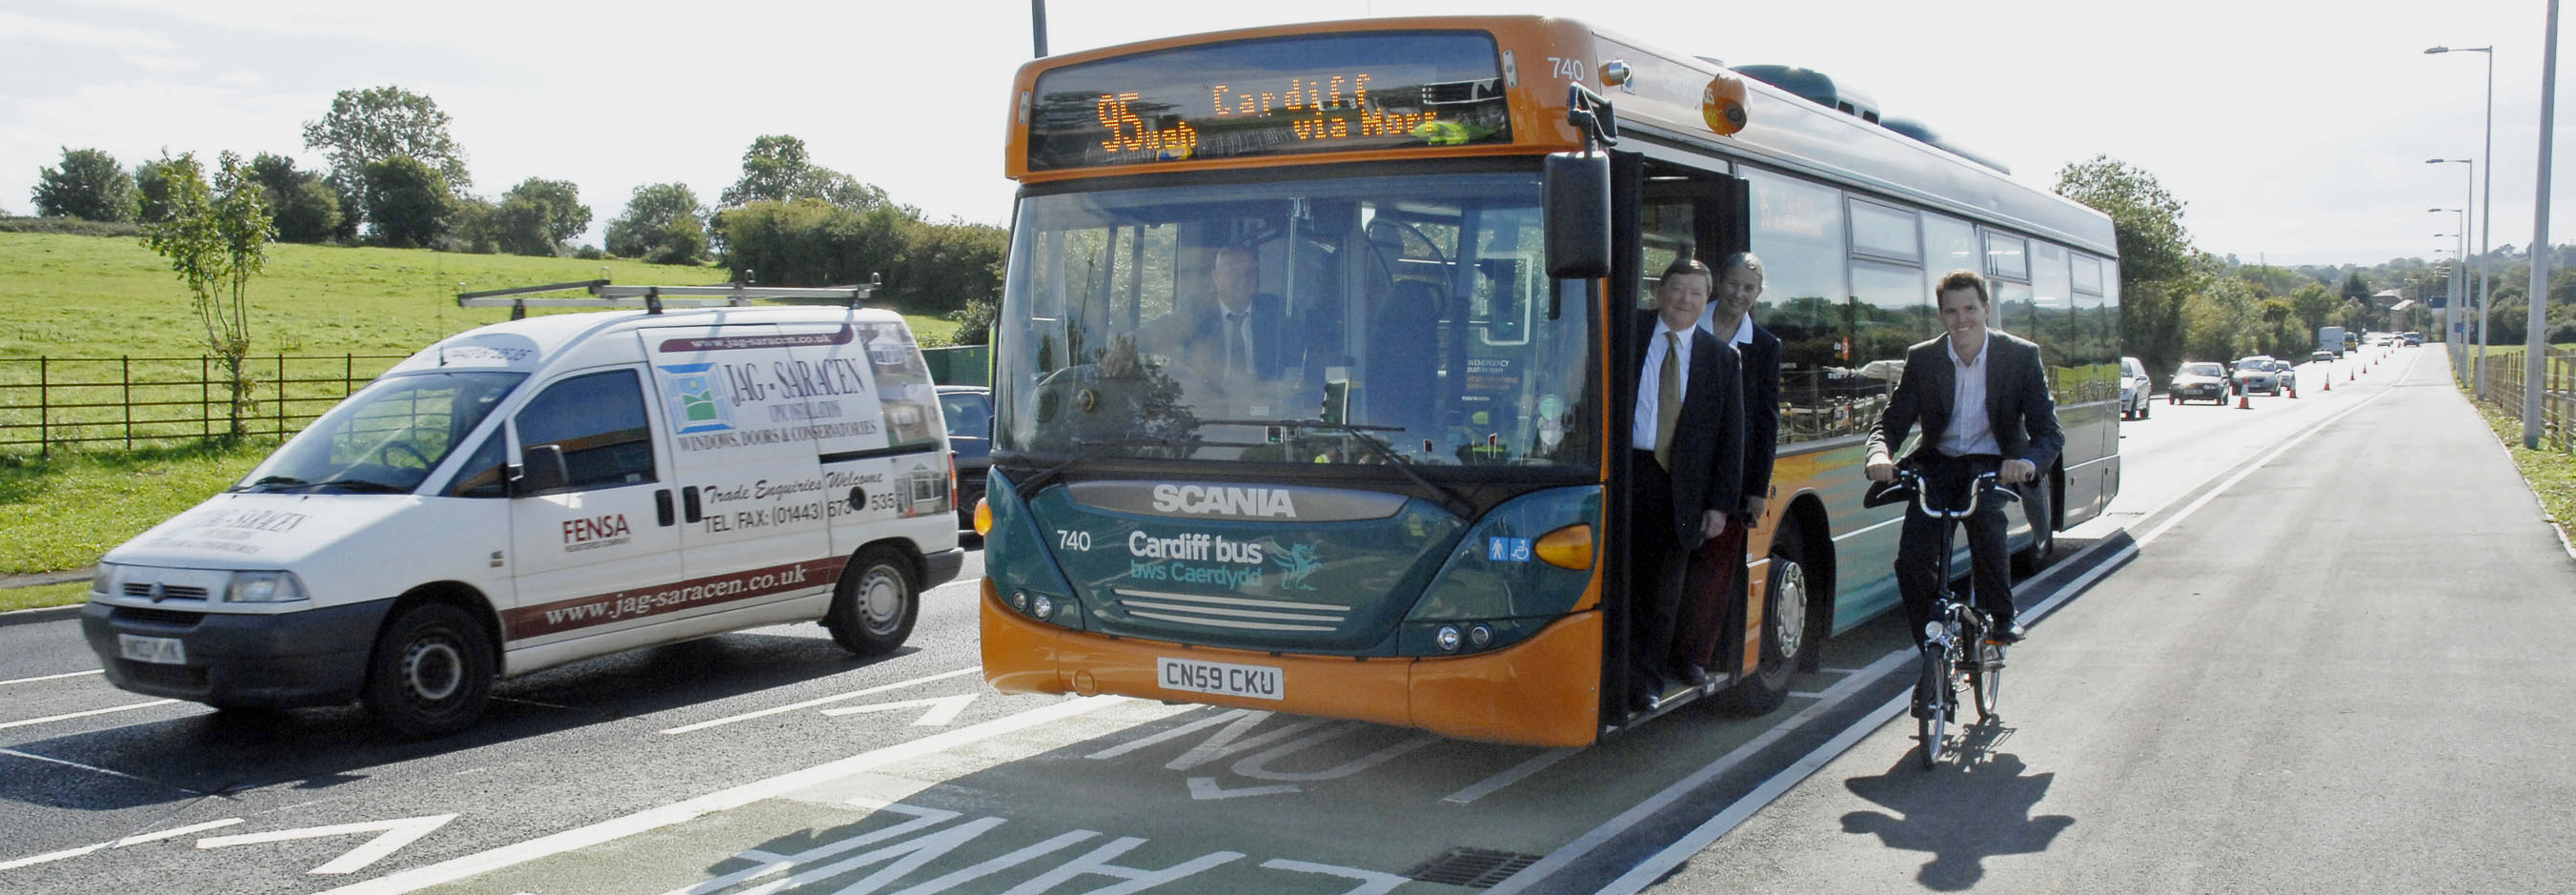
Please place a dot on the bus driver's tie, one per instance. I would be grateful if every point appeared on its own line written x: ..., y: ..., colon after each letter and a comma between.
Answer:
x: 1668, y: 400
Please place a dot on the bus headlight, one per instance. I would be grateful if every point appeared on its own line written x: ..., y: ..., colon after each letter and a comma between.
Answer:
x: 264, y: 587
x: 1042, y: 607
x: 1447, y: 637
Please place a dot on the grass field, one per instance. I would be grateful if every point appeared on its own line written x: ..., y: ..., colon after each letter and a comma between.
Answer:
x: 65, y: 296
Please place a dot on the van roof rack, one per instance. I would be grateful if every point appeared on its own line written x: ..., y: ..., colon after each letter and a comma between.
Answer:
x: 653, y: 299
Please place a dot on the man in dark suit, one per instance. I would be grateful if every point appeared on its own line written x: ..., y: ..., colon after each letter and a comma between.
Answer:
x: 1238, y: 335
x: 1984, y: 405
x: 1687, y: 440
x: 1717, y: 572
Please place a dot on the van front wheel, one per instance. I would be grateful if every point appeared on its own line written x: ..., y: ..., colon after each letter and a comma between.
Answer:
x: 874, y: 607
x: 431, y: 673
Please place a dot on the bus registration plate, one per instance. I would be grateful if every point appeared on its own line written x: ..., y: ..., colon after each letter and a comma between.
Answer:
x: 1223, y: 679
x: 155, y: 650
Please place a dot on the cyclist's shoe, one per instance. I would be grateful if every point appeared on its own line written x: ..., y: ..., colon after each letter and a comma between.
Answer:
x: 2011, y: 633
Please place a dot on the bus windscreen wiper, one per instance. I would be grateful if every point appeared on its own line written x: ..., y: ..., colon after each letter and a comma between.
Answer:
x: 1449, y: 500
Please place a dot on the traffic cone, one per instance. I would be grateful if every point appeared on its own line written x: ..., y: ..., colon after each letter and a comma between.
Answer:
x: 2293, y: 385
x: 2241, y: 403
x: 2329, y: 380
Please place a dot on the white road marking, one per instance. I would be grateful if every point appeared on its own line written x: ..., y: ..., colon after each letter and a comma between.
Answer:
x: 391, y: 836
x: 1618, y: 826
x: 1204, y: 789
x: 67, y: 717
x: 112, y: 772
x: 827, y: 700
x: 1514, y: 774
x: 50, y: 677
x: 943, y: 709
x: 135, y: 839
x: 649, y: 819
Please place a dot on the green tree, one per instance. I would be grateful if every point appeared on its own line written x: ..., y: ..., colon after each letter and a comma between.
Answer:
x: 408, y: 204
x: 365, y: 127
x: 662, y: 224
x: 777, y: 168
x: 216, y: 240
x: 306, y: 208
x: 2314, y: 307
x: 90, y: 185
x: 153, y: 203
x: 539, y: 216
x: 2156, y: 258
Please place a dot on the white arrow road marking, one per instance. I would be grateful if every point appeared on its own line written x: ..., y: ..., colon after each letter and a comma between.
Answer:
x: 396, y: 834
x: 135, y: 839
x: 943, y: 709
x: 1204, y: 789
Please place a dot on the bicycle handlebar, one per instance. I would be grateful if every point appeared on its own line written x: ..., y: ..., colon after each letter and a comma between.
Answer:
x: 1909, y: 485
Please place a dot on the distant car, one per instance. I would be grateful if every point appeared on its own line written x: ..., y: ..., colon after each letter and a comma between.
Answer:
x: 2135, y: 389
x: 969, y: 411
x: 2197, y: 380
x: 2258, y: 373
x: 2414, y: 338
x: 2322, y: 356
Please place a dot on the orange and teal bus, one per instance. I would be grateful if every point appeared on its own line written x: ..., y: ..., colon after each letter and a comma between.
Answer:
x: 1384, y: 493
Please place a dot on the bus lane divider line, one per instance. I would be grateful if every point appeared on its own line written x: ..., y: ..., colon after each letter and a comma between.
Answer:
x: 827, y: 700
x: 651, y: 819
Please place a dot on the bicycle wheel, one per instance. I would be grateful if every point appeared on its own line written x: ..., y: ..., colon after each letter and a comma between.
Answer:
x: 1932, y: 692
x: 1986, y: 679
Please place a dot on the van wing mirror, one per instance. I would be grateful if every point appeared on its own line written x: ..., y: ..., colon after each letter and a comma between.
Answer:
x: 1578, y: 215
x: 541, y: 469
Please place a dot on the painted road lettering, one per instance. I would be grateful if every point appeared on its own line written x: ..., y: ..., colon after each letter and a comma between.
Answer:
x: 927, y: 835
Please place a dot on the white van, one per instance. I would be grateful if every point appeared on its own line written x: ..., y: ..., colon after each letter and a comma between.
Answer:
x: 536, y: 492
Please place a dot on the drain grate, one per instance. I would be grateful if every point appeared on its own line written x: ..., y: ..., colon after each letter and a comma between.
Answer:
x: 1474, y: 868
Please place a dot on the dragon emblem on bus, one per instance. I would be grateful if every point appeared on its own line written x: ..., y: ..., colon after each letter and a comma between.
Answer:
x: 1295, y: 564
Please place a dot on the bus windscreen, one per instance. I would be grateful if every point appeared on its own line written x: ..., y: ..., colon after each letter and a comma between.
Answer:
x: 1278, y: 96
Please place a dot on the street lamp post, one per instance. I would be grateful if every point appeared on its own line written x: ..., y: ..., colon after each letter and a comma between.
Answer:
x: 2486, y: 210
x: 2459, y: 348
x: 2535, y: 343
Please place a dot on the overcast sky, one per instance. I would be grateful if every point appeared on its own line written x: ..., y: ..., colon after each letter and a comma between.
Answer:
x: 2293, y: 131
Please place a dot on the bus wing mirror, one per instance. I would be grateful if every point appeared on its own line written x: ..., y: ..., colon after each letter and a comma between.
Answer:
x: 541, y: 469
x: 1578, y: 215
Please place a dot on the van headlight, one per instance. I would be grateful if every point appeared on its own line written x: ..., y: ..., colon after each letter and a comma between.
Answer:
x: 264, y: 587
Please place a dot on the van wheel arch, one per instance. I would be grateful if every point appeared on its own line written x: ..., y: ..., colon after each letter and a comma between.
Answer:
x: 877, y: 600
x: 436, y: 656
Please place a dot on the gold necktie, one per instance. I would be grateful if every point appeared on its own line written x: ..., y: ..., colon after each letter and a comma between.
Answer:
x: 1668, y: 400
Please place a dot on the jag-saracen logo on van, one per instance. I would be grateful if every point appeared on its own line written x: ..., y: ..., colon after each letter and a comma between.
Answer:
x: 697, y: 402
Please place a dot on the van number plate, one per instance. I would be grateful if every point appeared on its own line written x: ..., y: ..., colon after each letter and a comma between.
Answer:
x: 156, y: 650
x: 1223, y: 679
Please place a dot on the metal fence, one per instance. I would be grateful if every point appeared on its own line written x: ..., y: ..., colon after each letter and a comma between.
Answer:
x: 50, y: 402
x: 2504, y: 384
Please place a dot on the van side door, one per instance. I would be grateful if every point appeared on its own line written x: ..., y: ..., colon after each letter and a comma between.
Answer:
x: 600, y: 551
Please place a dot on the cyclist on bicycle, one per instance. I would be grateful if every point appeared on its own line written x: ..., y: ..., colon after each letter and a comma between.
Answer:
x: 1984, y: 407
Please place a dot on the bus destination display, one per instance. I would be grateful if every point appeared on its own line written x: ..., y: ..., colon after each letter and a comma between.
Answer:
x: 1347, y: 92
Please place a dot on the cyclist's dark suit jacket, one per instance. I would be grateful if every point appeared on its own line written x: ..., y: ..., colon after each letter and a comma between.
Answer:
x: 2024, y: 419
x: 2018, y: 406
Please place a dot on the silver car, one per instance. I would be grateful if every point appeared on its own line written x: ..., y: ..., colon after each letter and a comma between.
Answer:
x: 2135, y: 388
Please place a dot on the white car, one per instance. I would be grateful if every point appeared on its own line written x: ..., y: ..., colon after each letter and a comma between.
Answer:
x: 2135, y: 387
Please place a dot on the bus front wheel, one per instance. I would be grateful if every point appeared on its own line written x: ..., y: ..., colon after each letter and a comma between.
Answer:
x: 1786, y: 634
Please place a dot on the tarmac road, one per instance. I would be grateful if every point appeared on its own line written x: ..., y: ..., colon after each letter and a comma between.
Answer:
x: 2344, y: 669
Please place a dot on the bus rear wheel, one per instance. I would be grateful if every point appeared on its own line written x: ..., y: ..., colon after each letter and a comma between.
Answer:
x: 1787, y: 608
